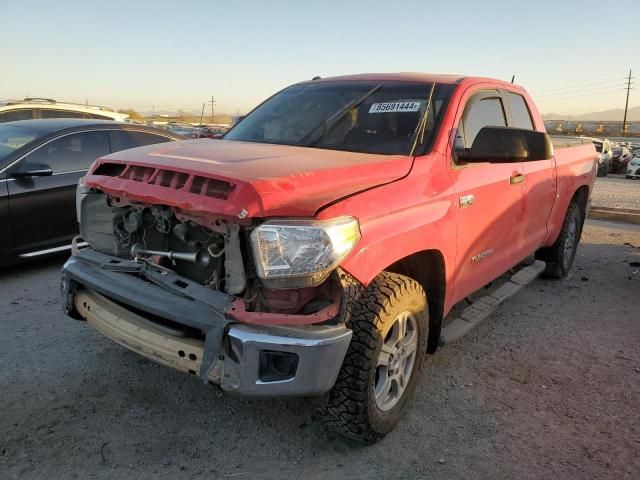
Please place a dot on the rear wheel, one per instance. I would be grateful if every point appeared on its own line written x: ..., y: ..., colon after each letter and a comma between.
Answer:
x: 560, y: 255
x: 380, y: 370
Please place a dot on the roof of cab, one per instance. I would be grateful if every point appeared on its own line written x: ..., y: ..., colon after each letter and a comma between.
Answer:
x: 398, y: 77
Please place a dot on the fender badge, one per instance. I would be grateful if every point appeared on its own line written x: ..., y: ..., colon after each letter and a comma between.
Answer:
x: 243, y: 213
x: 481, y: 256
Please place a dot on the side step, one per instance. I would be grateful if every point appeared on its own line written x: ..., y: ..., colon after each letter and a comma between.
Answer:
x: 485, y: 306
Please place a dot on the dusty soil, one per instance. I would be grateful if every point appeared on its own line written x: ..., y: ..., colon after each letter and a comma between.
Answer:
x: 547, y: 387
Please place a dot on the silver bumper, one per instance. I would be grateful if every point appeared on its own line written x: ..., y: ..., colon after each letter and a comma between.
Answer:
x: 314, y: 353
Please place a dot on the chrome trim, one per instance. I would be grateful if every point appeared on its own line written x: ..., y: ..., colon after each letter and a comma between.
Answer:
x: 52, y: 175
x: 51, y: 250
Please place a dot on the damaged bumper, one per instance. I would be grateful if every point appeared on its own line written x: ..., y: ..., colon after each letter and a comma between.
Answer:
x: 184, y: 325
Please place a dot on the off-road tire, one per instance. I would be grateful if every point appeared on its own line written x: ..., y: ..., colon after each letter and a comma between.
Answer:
x: 351, y: 408
x: 558, y: 258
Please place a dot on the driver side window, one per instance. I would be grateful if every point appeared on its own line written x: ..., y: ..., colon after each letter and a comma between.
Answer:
x: 485, y: 111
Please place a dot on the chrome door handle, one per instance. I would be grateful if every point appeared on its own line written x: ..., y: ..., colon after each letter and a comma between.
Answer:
x: 515, y: 179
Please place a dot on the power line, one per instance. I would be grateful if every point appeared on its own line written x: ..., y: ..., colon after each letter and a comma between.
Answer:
x: 548, y: 98
x: 580, y: 90
x: 579, y: 86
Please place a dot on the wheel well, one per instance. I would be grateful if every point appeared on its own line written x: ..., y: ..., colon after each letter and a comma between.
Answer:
x: 580, y: 197
x: 427, y: 267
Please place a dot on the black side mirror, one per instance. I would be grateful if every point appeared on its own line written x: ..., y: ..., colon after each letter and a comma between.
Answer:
x: 26, y: 169
x: 507, y: 145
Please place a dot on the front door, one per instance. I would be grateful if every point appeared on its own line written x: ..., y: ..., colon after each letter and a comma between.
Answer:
x: 43, y: 207
x: 490, y: 204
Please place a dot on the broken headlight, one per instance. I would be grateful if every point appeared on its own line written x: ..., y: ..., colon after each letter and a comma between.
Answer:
x: 301, y: 253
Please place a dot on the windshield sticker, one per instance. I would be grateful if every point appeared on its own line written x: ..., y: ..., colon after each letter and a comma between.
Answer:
x: 394, y: 107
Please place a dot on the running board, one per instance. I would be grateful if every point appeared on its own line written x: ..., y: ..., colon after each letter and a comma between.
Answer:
x: 485, y: 306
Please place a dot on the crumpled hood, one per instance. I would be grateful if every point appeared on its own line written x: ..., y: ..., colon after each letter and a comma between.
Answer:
x: 240, y: 178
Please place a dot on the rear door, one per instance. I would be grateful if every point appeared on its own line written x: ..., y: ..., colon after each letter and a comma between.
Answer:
x: 43, y: 208
x: 490, y: 205
x: 539, y: 181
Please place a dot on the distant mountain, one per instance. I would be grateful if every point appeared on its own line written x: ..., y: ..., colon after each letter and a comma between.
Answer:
x: 615, y: 115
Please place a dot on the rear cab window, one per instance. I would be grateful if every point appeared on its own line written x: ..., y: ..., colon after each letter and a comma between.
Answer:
x: 520, y: 114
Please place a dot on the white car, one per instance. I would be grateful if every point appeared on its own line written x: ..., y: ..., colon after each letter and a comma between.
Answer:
x: 633, y: 167
x: 30, y: 108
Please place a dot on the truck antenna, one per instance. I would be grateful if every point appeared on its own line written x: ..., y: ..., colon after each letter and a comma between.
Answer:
x: 513, y: 77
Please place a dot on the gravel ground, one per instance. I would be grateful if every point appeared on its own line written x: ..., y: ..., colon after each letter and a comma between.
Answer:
x: 547, y: 387
x: 616, y: 192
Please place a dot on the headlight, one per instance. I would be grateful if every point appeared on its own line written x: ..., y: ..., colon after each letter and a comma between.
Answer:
x: 301, y: 253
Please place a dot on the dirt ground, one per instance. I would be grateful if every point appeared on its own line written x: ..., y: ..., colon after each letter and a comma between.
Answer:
x: 547, y: 387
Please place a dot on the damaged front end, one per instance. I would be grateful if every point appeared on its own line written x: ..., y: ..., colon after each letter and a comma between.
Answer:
x: 211, y: 295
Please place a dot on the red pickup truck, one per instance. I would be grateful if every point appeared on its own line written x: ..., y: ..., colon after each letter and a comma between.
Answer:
x: 317, y: 249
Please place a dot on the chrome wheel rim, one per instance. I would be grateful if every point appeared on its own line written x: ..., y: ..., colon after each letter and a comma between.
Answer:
x: 396, y: 361
x: 569, y: 243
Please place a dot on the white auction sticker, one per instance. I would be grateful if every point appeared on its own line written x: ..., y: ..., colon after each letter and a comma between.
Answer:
x: 394, y: 107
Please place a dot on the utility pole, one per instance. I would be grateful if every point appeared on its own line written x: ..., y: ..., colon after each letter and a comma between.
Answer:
x: 212, y: 102
x: 626, y: 106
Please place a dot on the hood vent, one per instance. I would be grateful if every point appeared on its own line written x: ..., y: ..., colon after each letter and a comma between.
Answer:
x: 208, y: 187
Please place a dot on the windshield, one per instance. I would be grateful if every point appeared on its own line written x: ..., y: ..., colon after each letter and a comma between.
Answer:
x: 369, y: 117
x: 14, y: 137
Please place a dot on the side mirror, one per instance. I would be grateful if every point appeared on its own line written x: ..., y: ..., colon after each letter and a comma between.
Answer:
x: 26, y: 169
x: 506, y: 145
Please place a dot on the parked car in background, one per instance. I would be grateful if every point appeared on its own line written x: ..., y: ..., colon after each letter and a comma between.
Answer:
x: 620, y: 158
x: 204, y: 131
x: 633, y: 168
x: 187, y: 131
x: 41, y: 162
x: 603, y: 147
x: 32, y: 108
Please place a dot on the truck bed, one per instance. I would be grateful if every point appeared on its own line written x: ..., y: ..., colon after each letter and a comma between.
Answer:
x: 561, y: 141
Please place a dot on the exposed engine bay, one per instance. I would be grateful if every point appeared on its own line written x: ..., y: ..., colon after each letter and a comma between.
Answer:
x: 216, y: 255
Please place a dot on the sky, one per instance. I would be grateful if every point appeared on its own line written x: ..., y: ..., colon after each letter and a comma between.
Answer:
x: 572, y: 56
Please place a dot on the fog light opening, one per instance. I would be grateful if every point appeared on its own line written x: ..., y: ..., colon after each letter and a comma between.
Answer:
x: 277, y: 366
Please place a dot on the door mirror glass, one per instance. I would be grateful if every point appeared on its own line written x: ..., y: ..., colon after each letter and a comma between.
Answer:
x: 506, y: 145
x: 28, y: 169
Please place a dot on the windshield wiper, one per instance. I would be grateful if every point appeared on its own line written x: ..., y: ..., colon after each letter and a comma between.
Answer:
x: 418, y: 136
x: 327, y: 124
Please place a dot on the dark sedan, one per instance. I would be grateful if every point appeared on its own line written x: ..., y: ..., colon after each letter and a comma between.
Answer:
x: 41, y: 162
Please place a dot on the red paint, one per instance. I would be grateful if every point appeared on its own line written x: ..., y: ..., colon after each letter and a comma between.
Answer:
x: 415, y: 206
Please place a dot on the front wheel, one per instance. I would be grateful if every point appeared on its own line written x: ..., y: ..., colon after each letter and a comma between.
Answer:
x: 380, y: 370
x: 561, y: 254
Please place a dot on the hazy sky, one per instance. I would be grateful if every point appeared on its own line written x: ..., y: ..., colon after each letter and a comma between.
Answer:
x: 571, y: 55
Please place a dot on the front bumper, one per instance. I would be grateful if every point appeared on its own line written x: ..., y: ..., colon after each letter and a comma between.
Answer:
x: 126, y: 308
x: 633, y: 171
